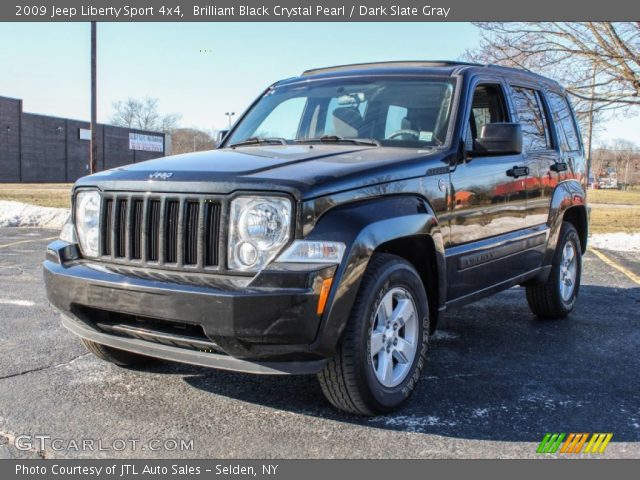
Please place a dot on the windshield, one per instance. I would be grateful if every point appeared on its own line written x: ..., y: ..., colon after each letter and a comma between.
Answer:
x: 412, y: 113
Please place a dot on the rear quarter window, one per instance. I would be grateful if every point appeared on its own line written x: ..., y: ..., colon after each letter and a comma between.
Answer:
x: 565, y: 124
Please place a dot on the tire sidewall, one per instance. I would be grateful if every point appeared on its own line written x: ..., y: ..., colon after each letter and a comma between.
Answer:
x: 394, y: 274
x: 569, y: 234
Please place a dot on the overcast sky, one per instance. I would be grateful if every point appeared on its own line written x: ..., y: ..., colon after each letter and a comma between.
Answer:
x: 202, y: 70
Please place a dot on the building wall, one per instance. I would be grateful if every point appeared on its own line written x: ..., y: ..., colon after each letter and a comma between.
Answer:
x: 10, y: 110
x: 40, y: 148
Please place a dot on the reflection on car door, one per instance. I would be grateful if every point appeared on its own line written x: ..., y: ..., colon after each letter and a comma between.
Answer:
x: 487, y: 207
x: 540, y: 154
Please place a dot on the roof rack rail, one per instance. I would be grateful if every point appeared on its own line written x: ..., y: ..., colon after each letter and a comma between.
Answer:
x: 391, y: 64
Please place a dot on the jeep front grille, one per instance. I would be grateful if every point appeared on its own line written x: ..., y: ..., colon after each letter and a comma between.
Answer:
x: 165, y: 230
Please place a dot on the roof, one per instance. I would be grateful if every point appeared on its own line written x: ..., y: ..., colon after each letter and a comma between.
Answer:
x: 405, y: 64
x: 440, y: 67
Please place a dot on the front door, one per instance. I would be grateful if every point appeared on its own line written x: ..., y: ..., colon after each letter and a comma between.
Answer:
x: 487, y: 205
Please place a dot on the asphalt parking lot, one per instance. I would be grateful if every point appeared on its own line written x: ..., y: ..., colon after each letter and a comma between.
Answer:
x: 496, y: 381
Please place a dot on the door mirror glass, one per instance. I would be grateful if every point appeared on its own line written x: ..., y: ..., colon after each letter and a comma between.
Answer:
x: 498, y: 139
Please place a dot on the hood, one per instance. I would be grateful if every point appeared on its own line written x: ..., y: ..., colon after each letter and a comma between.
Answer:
x: 305, y: 171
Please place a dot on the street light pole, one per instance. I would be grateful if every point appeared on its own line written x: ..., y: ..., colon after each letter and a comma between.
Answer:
x: 93, y: 156
x: 229, y: 115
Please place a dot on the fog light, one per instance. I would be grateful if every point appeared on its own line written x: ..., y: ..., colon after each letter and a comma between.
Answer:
x: 247, y: 253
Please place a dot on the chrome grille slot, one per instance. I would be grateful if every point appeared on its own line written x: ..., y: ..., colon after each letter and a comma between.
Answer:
x: 153, y: 230
x: 136, y: 229
x: 191, y: 233
x: 107, y: 222
x: 212, y: 231
x: 121, y: 229
x: 172, y: 231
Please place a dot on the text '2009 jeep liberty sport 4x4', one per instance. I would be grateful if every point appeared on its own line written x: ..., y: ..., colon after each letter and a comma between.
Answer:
x: 345, y: 211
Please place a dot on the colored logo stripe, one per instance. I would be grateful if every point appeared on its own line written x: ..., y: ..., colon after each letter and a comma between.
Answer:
x: 550, y: 443
x: 574, y: 442
x: 598, y: 442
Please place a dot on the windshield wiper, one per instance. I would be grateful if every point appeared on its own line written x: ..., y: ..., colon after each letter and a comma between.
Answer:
x: 338, y: 139
x: 260, y: 140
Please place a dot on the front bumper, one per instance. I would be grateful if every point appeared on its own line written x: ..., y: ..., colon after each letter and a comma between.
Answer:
x: 263, y: 324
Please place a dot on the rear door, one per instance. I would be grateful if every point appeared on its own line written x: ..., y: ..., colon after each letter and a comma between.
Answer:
x: 540, y: 152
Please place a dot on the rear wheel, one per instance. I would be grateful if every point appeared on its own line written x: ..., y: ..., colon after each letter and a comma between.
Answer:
x: 382, y: 353
x: 116, y: 356
x: 557, y: 297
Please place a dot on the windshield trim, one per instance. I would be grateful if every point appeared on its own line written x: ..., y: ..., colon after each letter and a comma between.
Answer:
x: 299, y: 81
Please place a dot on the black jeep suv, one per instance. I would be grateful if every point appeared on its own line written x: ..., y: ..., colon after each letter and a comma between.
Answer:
x: 341, y: 216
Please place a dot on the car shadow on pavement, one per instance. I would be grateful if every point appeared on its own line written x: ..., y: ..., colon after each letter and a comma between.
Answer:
x: 494, y: 372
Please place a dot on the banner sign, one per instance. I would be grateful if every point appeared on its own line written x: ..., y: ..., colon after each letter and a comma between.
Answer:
x: 147, y: 143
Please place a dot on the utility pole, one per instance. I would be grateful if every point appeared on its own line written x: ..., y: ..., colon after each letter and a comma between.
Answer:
x: 93, y: 157
x: 591, y: 115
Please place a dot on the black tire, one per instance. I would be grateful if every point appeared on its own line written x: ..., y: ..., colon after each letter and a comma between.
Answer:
x: 545, y: 300
x: 116, y: 356
x: 348, y: 380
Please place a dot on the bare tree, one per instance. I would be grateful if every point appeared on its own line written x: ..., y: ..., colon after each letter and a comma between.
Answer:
x: 575, y: 52
x: 624, y: 152
x: 185, y: 140
x: 143, y: 114
x: 598, y: 62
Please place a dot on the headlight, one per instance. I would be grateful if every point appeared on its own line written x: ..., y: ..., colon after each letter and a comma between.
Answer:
x: 258, y: 229
x: 87, y: 221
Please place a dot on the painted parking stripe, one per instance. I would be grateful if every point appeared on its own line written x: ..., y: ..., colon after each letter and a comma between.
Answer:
x: 635, y: 278
x: 20, y: 242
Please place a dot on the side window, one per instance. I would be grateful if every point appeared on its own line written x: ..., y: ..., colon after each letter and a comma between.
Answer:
x: 565, y: 125
x: 396, y: 119
x: 283, y: 120
x: 487, y: 107
x: 535, y: 128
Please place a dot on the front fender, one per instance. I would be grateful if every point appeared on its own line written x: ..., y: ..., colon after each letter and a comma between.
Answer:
x: 364, y: 226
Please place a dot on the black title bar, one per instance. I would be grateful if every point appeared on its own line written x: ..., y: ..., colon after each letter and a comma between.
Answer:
x: 314, y: 11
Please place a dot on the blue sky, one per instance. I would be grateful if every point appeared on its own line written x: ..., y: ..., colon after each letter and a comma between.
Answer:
x: 201, y: 70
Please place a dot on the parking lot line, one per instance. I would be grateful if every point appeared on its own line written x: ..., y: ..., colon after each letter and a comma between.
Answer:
x: 7, y: 245
x: 635, y: 278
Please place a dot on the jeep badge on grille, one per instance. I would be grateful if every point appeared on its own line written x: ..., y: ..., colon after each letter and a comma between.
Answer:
x: 160, y: 175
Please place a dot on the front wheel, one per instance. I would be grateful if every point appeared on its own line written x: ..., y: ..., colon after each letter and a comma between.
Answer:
x: 557, y: 297
x: 116, y: 356
x: 382, y: 353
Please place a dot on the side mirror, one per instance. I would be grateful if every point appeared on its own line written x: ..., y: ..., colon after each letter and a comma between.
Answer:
x: 220, y: 136
x: 499, y: 139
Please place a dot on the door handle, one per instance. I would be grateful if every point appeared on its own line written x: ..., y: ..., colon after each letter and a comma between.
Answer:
x: 559, y: 167
x: 516, y: 172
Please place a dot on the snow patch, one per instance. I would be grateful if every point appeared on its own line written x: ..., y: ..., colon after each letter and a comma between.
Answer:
x: 622, y: 242
x: 19, y: 303
x: 445, y: 335
x: 480, y: 412
x: 18, y: 214
x: 412, y: 423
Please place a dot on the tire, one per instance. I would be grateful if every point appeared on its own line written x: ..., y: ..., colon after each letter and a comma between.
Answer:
x: 116, y: 356
x: 349, y: 380
x: 549, y: 300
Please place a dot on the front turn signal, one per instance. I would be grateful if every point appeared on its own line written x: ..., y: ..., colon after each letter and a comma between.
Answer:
x: 324, y: 294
